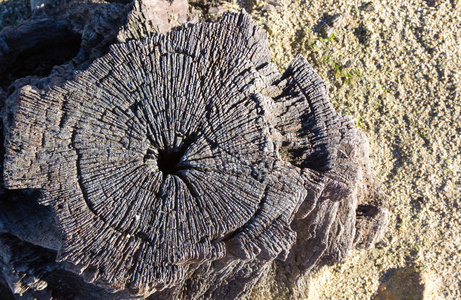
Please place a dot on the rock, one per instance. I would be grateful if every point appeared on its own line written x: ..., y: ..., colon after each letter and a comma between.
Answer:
x: 270, y: 7
x: 331, y: 23
x: 327, y: 30
x: 408, y: 284
x: 363, y: 33
x: 274, y: 3
x: 368, y: 7
x: 393, y: 87
x: 214, y: 10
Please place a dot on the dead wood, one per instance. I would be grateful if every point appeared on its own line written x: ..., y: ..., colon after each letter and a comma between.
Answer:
x: 182, y: 166
x: 49, y: 43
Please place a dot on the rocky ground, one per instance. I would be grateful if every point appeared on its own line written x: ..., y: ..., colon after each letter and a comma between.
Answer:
x: 395, y: 66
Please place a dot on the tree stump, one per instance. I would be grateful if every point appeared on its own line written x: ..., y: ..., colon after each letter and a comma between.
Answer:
x: 181, y: 166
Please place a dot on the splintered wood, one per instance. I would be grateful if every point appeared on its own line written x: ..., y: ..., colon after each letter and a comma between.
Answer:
x: 184, y: 165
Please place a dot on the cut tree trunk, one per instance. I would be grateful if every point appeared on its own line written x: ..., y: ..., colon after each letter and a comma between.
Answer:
x: 181, y: 166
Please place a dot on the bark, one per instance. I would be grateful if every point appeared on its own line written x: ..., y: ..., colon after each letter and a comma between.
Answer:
x: 181, y: 166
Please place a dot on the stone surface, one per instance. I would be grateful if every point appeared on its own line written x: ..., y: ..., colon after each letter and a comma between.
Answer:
x: 405, y: 284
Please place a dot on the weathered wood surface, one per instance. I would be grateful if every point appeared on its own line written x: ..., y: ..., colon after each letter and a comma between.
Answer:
x: 149, y: 17
x: 49, y: 42
x: 182, y: 166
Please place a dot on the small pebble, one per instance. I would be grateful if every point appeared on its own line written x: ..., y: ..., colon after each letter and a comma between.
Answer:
x: 270, y: 7
x: 327, y: 30
x: 367, y: 7
x: 274, y: 3
x: 213, y: 11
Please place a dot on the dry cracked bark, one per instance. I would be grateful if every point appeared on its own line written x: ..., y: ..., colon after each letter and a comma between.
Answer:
x: 182, y: 166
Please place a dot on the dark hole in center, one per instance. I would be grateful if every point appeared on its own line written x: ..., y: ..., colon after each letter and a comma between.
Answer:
x: 169, y: 159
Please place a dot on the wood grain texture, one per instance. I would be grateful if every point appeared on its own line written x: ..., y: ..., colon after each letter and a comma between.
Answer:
x: 183, y: 165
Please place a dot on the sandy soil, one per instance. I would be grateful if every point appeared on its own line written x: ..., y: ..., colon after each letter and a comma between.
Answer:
x: 395, y: 66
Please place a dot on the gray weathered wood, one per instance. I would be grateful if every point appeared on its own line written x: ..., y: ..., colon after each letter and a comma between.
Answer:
x: 183, y: 165
x: 149, y: 17
x: 34, y: 47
